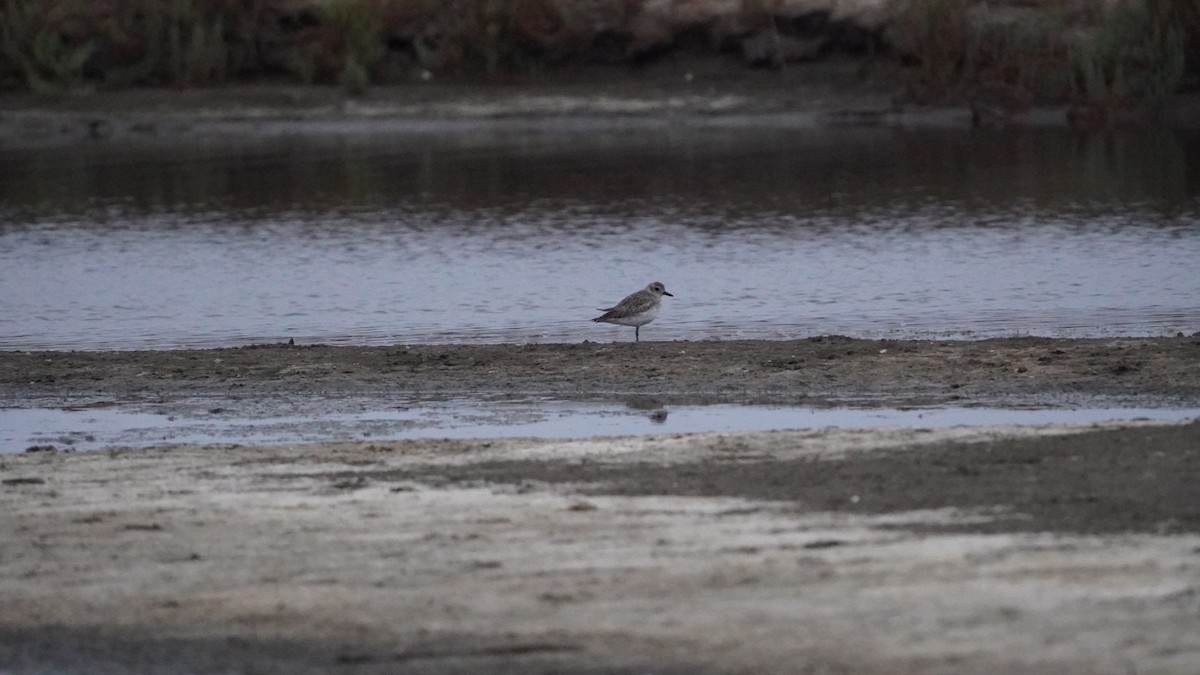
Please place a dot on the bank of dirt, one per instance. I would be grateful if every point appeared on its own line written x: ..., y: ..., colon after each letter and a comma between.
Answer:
x: 697, y: 93
x: 1069, y: 549
x: 992, y: 63
x: 815, y: 371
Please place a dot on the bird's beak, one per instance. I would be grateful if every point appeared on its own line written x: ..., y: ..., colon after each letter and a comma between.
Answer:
x: 670, y: 294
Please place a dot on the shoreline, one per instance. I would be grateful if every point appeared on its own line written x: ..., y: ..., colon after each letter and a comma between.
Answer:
x: 816, y: 371
x: 823, y: 100
x: 982, y: 549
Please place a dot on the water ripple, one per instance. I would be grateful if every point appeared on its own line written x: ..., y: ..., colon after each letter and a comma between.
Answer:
x: 758, y: 236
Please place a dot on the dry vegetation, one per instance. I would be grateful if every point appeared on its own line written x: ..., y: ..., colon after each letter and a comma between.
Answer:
x: 1099, y: 55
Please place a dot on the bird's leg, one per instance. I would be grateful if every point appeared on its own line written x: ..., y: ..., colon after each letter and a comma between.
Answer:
x: 635, y: 333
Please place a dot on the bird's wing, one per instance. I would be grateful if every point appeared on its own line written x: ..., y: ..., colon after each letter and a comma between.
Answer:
x: 635, y: 303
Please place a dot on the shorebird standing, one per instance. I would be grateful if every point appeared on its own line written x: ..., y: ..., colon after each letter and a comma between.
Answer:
x: 637, y: 309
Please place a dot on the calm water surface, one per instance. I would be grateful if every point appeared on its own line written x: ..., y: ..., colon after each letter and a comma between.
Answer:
x: 91, y: 429
x: 518, y: 236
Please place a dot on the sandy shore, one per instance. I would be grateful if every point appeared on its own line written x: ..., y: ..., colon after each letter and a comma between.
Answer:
x: 978, y: 550
x: 962, y: 550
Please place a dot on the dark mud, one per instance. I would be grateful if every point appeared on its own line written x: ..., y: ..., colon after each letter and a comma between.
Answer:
x: 1139, y: 479
x: 694, y: 91
x: 1153, y: 372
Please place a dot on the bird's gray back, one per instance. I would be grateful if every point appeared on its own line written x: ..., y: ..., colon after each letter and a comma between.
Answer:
x: 632, y: 304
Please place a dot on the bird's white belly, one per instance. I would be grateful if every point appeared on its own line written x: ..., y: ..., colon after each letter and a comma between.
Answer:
x: 636, y: 319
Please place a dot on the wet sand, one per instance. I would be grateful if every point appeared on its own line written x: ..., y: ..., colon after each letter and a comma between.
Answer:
x: 814, y: 371
x: 1070, y: 549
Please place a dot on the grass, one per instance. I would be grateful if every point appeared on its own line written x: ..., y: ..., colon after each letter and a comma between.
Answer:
x: 1134, y: 57
x: 47, y: 44
x: 1135, y: 53
x: 936, y: 36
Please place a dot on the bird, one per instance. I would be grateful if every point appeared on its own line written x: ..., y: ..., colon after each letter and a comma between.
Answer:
x: 637, y: 309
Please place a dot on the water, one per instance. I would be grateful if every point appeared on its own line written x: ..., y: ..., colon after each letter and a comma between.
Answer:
x: 520, y: 235
x: 95, y: 428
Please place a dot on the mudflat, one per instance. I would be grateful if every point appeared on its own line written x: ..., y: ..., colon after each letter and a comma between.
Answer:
x: 813, y: 371
x: 997, y: 549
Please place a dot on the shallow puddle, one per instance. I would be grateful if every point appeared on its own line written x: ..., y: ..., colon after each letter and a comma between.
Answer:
x: 94, y: 428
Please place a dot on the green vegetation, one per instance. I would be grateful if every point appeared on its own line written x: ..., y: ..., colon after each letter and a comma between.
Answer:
x: 1000, y: 54
x: 1134, y: 53
x: 57, y: 46
x: 338, y: 42
x: 495, y: 37
x: 936, y: 34
x: 175, y: 42
x: 47, y: 44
